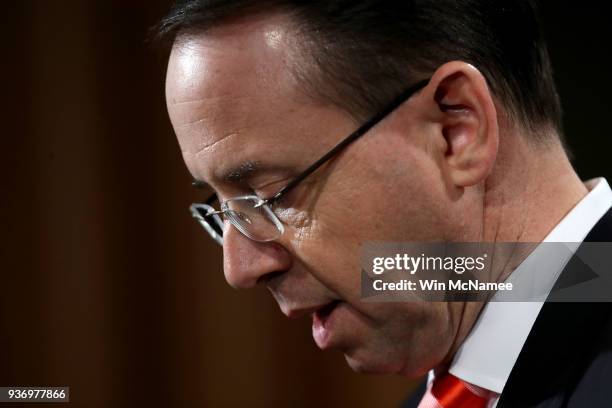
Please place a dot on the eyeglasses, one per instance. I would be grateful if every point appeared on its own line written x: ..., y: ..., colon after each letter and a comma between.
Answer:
x: 254, y: 216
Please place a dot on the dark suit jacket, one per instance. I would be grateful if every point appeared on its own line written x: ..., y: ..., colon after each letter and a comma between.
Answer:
x: 567, y: 358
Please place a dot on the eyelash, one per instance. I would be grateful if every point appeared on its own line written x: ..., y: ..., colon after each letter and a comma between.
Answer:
x: 266, y: 192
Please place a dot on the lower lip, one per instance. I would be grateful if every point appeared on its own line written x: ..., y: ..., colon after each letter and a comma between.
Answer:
x: 322, y: 325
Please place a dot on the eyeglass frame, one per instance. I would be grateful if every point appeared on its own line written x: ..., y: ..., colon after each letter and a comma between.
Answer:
x: 267, y: 203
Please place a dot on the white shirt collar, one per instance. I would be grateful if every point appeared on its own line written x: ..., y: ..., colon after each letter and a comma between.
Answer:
x: 489, y: 352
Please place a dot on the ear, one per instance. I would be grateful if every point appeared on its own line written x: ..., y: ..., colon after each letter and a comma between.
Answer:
x: 466, y: 119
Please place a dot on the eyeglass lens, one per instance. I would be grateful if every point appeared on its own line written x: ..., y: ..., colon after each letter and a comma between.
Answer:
x: 256, y: 222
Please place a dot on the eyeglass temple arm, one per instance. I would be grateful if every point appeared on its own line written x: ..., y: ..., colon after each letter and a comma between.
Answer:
x: 401, y: 98
x: 211, y: 213
x: 209, y: 201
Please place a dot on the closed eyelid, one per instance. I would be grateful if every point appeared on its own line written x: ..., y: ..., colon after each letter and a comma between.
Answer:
x: 270, y: 188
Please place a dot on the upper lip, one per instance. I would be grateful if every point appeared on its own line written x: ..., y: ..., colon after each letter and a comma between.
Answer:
x: 294, y: 313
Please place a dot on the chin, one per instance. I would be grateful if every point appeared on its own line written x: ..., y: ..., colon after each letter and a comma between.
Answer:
x: 368, y: 363
x: 372, y: 364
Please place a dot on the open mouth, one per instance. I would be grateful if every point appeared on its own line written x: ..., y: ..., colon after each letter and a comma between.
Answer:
x: 323, y: 313
x: 321, y: 324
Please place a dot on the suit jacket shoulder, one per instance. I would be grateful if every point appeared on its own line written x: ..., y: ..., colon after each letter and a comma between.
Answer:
x: 567, y: 359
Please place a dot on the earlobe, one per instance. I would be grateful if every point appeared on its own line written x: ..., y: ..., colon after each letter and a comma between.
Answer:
x: 468, y: 122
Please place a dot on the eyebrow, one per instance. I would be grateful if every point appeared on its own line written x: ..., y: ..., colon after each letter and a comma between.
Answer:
x: 240, y: 173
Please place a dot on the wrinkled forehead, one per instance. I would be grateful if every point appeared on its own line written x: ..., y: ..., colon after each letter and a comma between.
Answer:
x: 232, y: 97
x: 235, y: 72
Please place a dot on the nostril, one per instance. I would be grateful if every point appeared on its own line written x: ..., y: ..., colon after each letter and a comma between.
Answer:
x: 268, y: 277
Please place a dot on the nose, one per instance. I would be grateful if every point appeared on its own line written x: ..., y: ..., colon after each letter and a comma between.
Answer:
x: 247, y: 262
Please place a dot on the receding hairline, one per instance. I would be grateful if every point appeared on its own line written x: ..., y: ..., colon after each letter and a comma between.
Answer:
x: 247, y: 19
x: 322, y: 66
x: 301, y: 68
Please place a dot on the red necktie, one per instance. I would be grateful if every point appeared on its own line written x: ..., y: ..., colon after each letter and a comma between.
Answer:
x: 449, y: 391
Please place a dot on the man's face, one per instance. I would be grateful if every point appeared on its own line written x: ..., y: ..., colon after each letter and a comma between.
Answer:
x: 244, y: 127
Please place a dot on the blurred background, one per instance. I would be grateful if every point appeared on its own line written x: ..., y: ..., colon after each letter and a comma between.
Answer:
x: 107, y: 284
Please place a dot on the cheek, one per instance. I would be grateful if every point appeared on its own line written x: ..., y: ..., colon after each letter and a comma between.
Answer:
x: 321, y: 223
x: 329, y: 250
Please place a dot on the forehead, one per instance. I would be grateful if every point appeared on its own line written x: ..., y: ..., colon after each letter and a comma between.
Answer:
x: 231, y: 97
x: 209, y: 65
x: 233, y: 78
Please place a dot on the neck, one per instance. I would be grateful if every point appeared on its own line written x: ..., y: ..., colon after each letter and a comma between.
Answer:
x: 529, y: 192
x: 531, y: 189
